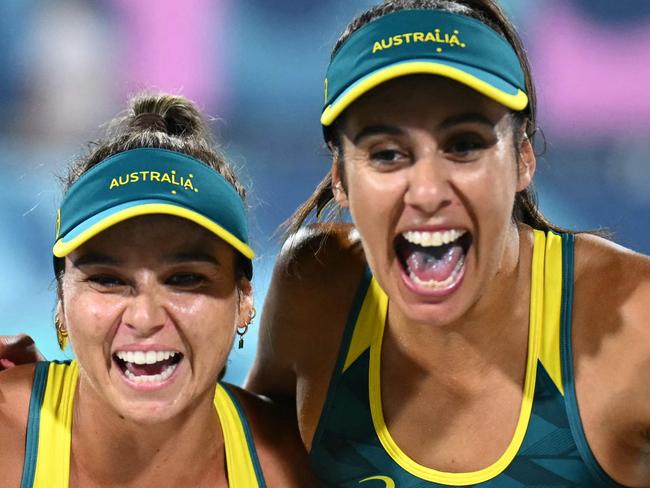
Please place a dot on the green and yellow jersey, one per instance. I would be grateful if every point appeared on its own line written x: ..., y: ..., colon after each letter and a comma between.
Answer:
x: 49, y: 431
x: 352, y: 446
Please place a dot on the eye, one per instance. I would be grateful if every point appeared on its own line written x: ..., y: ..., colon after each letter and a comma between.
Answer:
x: 388, y: 157
x: 465, y: 147
x: 105, y: 281
x: 185, y: 280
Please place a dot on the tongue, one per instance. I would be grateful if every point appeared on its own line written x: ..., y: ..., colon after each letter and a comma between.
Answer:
x: 147, y: 369
x: 427, y: 266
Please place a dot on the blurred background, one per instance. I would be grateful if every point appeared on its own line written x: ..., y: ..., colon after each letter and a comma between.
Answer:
x: 257, y: 67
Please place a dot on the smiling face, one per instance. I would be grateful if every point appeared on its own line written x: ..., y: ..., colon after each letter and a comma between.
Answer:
x: 431, y: 172
x: 151, y: 306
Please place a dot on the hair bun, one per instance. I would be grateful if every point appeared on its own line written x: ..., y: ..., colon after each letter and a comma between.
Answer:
x: 173, y: 114
x: 149, y: 121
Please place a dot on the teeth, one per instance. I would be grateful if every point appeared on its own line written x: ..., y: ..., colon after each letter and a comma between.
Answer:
x: 436, y: 239
x: 151, y: 378
x: 142, y: 357
x: 440, y: 284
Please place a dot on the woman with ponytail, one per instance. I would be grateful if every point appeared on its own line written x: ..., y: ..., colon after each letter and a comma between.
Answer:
x: 451, y: 336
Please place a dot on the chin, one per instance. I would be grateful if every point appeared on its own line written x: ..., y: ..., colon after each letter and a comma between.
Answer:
x: 147, y: 413
x: 438, y: 314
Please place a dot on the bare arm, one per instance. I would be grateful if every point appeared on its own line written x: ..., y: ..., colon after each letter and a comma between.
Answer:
x: 635, y: 399
x: 282, y: 455
x: 302, y: 323
x: 18, y: 349
x: 15, y: 389
x: 612, y: 356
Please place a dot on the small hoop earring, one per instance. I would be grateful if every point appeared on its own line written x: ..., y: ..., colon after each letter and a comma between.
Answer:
x: 61, y: 332
x: 242, y: 330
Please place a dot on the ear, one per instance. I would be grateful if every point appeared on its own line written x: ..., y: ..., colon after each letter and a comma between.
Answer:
x: 527, y: 164
x: 59, y: 314
x: 337, y: 184
x: 246, y: 307
x: 60, y: 325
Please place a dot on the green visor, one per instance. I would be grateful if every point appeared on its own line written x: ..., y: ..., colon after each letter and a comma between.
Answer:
x: 411, y: 42
x: 151, y: 181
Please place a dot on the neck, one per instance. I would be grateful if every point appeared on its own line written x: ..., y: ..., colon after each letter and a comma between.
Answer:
x: 109, y: 450
x: 491, y: 335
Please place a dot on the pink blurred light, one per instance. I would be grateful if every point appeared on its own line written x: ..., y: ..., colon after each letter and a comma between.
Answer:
x: 176, y: 46
x: 593, y: 79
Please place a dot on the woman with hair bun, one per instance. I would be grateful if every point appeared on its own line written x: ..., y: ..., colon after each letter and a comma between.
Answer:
x: 153, y: 270
x: 452, y: 336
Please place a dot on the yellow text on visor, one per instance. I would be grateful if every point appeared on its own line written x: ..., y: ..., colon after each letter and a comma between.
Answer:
x: 424, y: 42
x: 150, y: 181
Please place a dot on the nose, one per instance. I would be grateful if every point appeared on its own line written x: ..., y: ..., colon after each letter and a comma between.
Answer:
x: 144, y: 313
x: 429, y: 186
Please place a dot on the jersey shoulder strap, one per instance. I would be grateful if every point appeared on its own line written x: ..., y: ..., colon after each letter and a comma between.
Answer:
x: 49, y: 426
x: 242, y: 462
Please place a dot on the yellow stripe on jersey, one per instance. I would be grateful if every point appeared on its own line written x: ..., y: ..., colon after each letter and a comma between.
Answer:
x: 241, y: 472
x: 54, y: 435
x: 373, y: 312
x: 549, y: 351
x: 543, y: 345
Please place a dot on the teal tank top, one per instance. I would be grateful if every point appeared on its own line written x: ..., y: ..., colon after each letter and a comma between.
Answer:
x: 352, y: 446
x: 49, y: 431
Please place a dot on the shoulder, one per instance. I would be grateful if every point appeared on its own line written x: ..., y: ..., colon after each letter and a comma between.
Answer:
x: 597, y: 254
x: 282, y: 455
x: 314, y: 282
x: 319, y: 266
x: 612, y: 294
x: 319, y: 246
x: 612, y: 279
x: 15, y: 393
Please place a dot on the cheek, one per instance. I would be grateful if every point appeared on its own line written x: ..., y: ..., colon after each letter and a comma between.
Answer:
x: 374, y: 196
x: 376, y: 201
x: 491, y: 188
x: 208, y: 325
x: 90, y: 316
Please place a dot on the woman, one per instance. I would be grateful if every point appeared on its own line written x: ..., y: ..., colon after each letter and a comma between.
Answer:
x: 453, y: 336
x: 153, y: 269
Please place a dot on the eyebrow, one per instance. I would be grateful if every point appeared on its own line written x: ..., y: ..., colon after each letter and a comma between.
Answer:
x: 94, y: 259
x: 192, y: 257
x: 373, y: 130
x: 466, y: 118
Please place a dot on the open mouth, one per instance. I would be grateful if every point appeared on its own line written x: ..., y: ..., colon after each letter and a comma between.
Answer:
x: 147, y: 366
x: 433, y: 260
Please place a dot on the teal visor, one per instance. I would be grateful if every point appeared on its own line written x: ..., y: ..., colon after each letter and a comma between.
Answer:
x: 151, y: 181
x: 424, y: 42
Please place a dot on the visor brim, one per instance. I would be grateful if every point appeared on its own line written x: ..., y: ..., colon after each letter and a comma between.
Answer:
x: 96, y: 224
x: 482, y: 81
